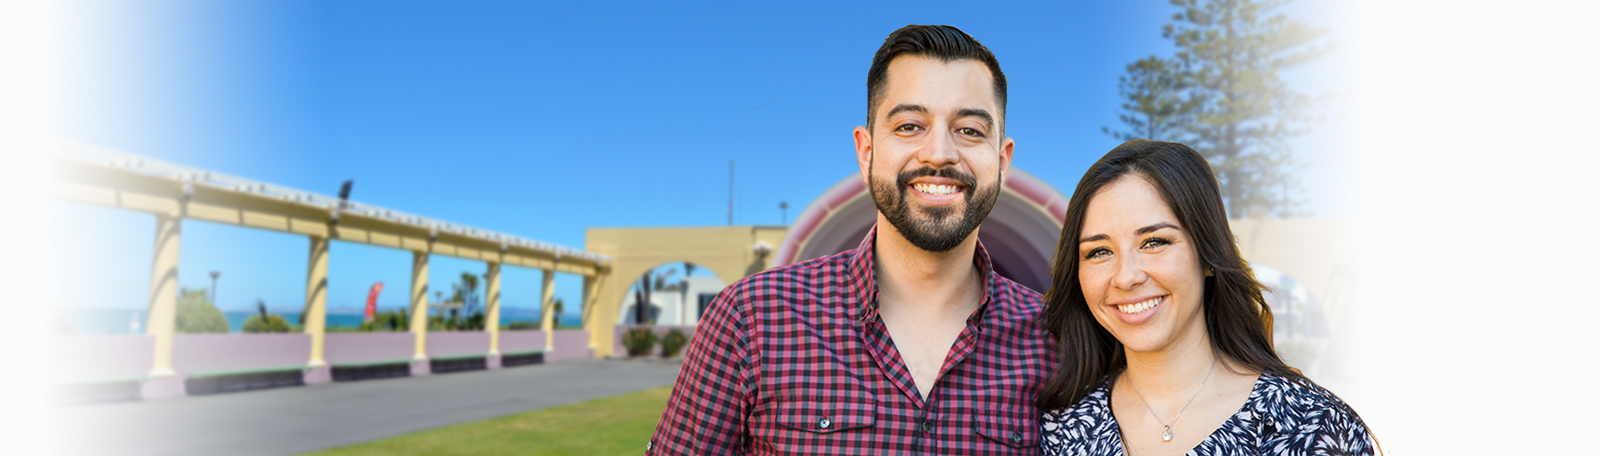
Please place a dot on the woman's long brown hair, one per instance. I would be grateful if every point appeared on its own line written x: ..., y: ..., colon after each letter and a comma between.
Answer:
x: 1237, y: 317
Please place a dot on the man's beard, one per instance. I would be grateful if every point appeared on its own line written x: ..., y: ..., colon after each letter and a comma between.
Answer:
x: 931, y: 229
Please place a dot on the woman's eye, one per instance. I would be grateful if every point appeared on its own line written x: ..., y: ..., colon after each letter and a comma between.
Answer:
x: 1155, y: 242
x: 1098, y: 252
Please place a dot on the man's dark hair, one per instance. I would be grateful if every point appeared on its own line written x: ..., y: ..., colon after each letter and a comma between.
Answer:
x: 941, y: 42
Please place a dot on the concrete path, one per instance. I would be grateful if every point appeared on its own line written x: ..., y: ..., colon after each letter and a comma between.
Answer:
x: 295, y: 420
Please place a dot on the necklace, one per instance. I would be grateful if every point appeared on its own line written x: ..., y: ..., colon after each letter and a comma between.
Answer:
x: 1166, y: 428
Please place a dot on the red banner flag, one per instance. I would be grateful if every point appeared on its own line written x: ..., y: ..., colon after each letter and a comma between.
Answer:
x: 372, y: 300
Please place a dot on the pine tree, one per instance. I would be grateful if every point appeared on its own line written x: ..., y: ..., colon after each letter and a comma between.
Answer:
x: 1223, y: 95
x: 1155, y: 106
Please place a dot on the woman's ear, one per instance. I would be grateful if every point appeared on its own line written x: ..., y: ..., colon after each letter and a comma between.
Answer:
x: 1208, y: 272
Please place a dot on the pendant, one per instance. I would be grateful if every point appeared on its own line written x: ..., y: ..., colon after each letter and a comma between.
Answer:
x: 1166, y: 434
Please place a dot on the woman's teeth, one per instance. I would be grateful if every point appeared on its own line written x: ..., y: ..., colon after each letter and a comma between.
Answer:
x: 1139, y: 306
x: 934, y: 189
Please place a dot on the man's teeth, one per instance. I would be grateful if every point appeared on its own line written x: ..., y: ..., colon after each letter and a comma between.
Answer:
x: 1139, y: 306
x: 934, y: 189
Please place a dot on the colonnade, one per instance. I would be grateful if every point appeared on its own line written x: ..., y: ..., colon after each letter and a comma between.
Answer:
x: 162, y: 313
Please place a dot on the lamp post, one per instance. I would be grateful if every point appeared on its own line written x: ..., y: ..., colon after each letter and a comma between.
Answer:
x: 214, y: 276
x: 783, y: 208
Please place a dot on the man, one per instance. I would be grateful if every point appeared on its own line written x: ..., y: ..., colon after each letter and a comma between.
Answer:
x: 909, y: 344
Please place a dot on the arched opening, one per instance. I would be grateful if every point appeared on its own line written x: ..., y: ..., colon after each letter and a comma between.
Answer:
x: 1020, y: 233
x: 677, y: 294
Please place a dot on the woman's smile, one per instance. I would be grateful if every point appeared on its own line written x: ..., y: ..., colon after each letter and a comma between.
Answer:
x: 1140, y: 306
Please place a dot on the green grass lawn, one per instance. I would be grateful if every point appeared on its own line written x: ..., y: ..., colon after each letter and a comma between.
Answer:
x: 614, y: 425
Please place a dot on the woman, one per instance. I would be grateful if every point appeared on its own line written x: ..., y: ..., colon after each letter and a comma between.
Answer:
x: 1164, y: 336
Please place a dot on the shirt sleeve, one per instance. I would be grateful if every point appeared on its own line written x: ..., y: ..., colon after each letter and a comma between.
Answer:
x: 1342, y: 434
x: 711, y: 400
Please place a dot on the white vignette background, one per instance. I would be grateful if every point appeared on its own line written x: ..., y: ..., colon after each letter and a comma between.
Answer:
x: 1475, y: 317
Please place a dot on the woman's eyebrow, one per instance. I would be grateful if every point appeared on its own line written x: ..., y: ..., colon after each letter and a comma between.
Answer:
x: 1156, y: 227
x: 1145, y: 230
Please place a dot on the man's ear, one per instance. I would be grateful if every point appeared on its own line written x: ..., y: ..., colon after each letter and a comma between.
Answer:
x: 1005, y: 157
x: 864, y: 154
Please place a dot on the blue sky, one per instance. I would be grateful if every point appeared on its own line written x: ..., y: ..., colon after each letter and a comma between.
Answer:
x: 542, y: 120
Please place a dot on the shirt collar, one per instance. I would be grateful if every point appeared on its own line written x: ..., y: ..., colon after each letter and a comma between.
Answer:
x: 864, y: 284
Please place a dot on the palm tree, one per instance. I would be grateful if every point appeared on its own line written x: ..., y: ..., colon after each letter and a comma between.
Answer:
x: 683, y: 304
x: 468, y: 293
x: 641, y: 300
x: 556, y: 306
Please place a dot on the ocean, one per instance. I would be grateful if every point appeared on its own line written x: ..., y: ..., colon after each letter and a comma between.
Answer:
x: 132, y: 321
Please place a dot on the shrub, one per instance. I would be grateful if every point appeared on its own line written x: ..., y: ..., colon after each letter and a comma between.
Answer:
x: 673, y: 342
x: 196, y: 314
x: 388, y: 321
x: 270, y: 324
x: 523, y: 324
x: 265, y: 323
x: 639, y: 341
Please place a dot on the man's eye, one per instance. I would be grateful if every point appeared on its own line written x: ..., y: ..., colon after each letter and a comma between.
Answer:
x: 908, y: 127
x: 969, y: 131
x: 1155, y: 242
x: 1098, y: 252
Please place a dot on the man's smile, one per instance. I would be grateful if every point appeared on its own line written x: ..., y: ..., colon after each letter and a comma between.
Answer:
x: 938, y: 191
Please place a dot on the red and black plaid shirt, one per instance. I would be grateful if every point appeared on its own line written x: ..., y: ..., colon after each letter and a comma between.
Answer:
x: 795, y: 360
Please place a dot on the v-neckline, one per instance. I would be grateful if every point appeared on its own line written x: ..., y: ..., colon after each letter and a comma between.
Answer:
x: 1255, y: 392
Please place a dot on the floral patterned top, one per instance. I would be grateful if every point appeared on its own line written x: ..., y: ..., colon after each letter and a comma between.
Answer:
x: 1281, y: 417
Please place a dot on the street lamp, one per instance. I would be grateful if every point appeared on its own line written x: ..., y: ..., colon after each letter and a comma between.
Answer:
x: 214, y: 276
x: 783, y: 208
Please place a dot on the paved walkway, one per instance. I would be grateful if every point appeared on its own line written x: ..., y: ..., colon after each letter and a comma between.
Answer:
x: 296, y: 420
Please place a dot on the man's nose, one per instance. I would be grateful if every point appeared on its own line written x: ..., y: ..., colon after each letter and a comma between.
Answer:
x: 940, y: 151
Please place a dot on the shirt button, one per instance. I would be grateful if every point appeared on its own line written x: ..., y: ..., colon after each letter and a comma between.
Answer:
x: 824, y: 423
x: 927, y: 426
x: 1016, y: 437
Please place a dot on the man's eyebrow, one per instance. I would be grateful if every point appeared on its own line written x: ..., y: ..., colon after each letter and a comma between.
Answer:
x: 904, y: 108
x: 988, y: 120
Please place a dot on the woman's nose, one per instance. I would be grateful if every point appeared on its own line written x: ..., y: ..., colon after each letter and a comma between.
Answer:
x: 1130, y: 273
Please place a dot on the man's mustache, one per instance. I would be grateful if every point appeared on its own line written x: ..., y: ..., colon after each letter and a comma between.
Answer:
x: 966, y: 180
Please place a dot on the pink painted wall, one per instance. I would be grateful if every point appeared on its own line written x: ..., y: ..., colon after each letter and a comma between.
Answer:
x: 521, y: 340
x: 200, y: 353
x: 89, y: 358
x: 570, y: 344
x: 342, y: 348
x: 457, y: 343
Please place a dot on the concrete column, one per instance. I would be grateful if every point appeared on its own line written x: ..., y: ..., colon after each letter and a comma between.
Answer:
x: 317, y: 309
x: 419, y: 312
x: 547, y: 312
x: 600, y: 332
x: 491, y: 321
x: 162, y: 315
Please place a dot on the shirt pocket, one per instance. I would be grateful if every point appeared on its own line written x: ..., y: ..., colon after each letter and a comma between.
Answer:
x: 828, y: 416
x: 1015, y: 431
